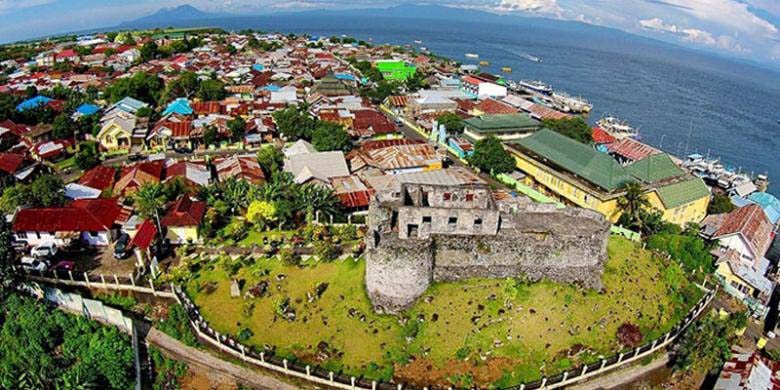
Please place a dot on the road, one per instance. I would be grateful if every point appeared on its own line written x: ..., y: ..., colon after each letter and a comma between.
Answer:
x: 176, y: 155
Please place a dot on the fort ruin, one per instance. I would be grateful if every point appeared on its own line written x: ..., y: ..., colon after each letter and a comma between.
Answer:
x: 428, y: 233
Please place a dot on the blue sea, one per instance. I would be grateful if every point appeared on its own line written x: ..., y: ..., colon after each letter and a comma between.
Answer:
x: 683, y: 101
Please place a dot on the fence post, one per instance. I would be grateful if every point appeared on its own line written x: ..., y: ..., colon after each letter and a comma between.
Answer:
x: 620, y: 357
x: 86, y: 278
x: 151, y: 283
x: 262, y: 357
x: 544, y: 382
x: 584, y: 370
x: 373, y: 385
x: 70, y: 275
x: 241, y: 347
x: 565, y: 376
x: 352, y: 381
x: 669, y: 333
x: 132, y: 280
x: 654, y: 343
x: 637, y: 351
x: 603, y: 363
x: 522, y: 386
x: 284, y: 362
x: 308, y: 370
x: 400, y: 386
x: 116, y: 280
x: 56, y: 277
x: 330, y: 376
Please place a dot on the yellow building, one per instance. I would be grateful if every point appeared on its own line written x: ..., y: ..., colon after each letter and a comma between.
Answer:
x: 117, y: 131
x: 577, y: 174
x: 182, y: 220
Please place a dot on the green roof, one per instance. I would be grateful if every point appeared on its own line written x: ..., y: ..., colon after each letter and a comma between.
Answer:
x: 655, y: 167
x: 502, y: 122
x: 395, y: 70
x: 682, y: 192
x: 580, y: 159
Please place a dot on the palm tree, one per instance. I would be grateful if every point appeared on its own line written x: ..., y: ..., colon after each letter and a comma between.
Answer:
x: 149, y: 201
x: 632, y: 202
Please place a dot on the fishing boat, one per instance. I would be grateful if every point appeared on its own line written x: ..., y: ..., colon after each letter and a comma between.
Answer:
x: 617, y: 128
x: 472, y: 55
x: 536, y: 86
x: 417, y: 41
x: 531, y: 58
x: 506, y: 69
x: 568, y: 103
x: 484, y: 63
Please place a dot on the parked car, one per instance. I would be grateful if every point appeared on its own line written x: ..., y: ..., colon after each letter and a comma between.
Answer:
x: 64, y: 265
x: 136, y: 157
x: 183, y: 149
x: 45, y: 250
x: 120, y: 248
x: 33, y: 264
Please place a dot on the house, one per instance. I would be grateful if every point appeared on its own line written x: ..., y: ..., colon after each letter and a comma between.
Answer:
x: 745, y: 280
x: 394, y: 157
x: 141, y: 244
x: 134, y: 176
x: 318, y: 167
x: 353, y: 194
x: 85, y: 110
x: 171, y: 131
x: 477, y: 86
x: 746, y: 230
x: 628, y: 150
x: 491, y: 106
x: 120, y: 130
x: 15, y: 167
x: 127, y: 105
x: 37, y: 102
x: 748, y: 371
x: 182, y: 220
x: 577, y: 174
x: 67, y: 55
x: 372, y: 124
x: 194, y: 174
x: 179, y: 106
x: 100, y: 178
x: 54, y: 150
x: 506, y: 127
x: 462, y: 147
x: 89, y: 221
x: 430, y: 103
x: 330, y: 86
x: 239, y: 168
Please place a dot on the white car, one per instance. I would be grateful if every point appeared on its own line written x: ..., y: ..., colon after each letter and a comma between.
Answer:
x: 45, y: 250
x: 33, y: 264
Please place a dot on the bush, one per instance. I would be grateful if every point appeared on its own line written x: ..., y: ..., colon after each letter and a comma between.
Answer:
x: 691, y: 250
x: 326, y: 250
x: 177, y: 325
x: 629, y: 335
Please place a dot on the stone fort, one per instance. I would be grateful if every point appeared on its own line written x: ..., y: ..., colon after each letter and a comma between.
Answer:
x: 439, y: 232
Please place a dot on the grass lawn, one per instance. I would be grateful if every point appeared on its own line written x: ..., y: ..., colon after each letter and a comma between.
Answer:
x: 256, y: 237
x: 480, y: 331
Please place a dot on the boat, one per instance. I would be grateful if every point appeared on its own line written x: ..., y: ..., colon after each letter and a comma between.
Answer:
x: 472, y: 55
x: 568, y: 103
x: 484, y: 63
x: 531, y: 58
x: 506, y: 69
x: 617, y: 128
x: 417, y: 41
x: 536, y: 86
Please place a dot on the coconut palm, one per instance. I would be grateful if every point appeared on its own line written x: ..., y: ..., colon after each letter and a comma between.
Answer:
x: 149, y: 201
x: 632, y: 202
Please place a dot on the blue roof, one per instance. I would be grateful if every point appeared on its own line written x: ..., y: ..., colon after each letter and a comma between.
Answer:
x: 345, y: 76
x: 769, y: 203
x: 258, y: 67
x: 35, y: 102
x: 130, y: 105
x: 87, y: 109
x: 271, y: 88
x: 179, y: 106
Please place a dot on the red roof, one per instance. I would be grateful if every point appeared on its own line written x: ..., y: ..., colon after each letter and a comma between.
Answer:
x: 178, y: 129
x: 83, y: 215
x: 205, y: 108
x: 632, y: 149
x: 356, y: 199
x: 371, y: 122
x: 246, y: 168
x: 381, y: 144
x: 10, y: 162
x: 602, y: 137
x: 145, y: 235
x: 751, y: 222
x: 99, y: 177
x: 185, y: 212
x: 492, y: 106
x: 68, y: 53
x: 472, y: 80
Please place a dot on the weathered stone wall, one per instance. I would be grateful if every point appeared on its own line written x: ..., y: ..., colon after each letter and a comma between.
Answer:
x: 568, y: 245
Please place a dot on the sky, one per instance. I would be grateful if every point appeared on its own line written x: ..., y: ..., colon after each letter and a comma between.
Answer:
x: 740, y: 28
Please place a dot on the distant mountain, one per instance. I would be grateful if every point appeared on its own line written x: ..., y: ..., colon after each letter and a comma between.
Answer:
x: 174, y: 15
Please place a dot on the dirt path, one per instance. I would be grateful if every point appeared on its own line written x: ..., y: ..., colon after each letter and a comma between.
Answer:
x: 217, y: 370
x: 623, y: 376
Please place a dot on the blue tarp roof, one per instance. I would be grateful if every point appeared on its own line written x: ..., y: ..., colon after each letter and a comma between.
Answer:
x: 179, y: 106
x: 271, y: 88
x: 35, y: 102
x: 258, y: 67
x: 130, y: 105
x: 768, y: 203
x: 87, y: 109
x: 345, y: 76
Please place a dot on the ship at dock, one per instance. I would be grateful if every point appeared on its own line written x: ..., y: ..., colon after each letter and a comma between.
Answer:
x: 723, y: 178
x: 567, y: 103
x: 617, y: 128
x: 472, y: 55
x: 535, y: 86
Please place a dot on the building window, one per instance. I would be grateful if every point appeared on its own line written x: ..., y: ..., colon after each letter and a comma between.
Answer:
x: 93, y: 234
x: 427, y: 219
x: 22, y: 235
x: 447, y: 196
x: 453, y: 221
x: 478, y: 222
x: 469, y: 197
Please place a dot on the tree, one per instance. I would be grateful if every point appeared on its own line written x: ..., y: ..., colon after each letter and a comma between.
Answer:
x: 211, y: 136
x: 490, y: 156
x: 706, y: 345
x: 48, y: 191
x: 631, y: 203
x: 63, y: 126
x: 149, y: 201
x: 452, y: 121
x: 184, y: 86
x: 211, y: 90
x: 691, y: 250
x: 294, y: 123
x: 88, y: 156
x: 271, y: 159
x: 720, y: 204
x: 142, y: 86
x: 382, y: 90
x: 149, y: 51
x: 237, y: 127
x: 575, y: 128
x: 329, y: 136
x: 7, y: 254
x: 261, y: 213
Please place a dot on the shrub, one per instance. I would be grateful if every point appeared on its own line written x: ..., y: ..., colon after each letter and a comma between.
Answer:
x: 629, y: 335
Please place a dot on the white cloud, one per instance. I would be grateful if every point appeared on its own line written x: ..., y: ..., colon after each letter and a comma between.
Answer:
x: 13, y: 5
x: 698, y: 36
x: 731, y: 14
x: 534, y: 6
x: 658, y: 25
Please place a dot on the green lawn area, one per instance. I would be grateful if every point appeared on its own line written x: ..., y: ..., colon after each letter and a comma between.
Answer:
x: 478, y: 331
x: 256, y: 237
x: 66, y: 163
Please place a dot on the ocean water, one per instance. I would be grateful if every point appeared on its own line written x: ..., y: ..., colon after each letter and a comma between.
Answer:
x: 682, y: 100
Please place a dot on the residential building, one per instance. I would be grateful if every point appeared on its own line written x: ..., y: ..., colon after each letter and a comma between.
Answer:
x: 134, y: 176
x: 748, y: 371
x: 90, y: 221
x: 505, y: 127
x: 394, y: 157
x: 746, y: 230
x: 182, y: 220
x: 239, y: 168
x: 309, y: 166
x: 478, y: 87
